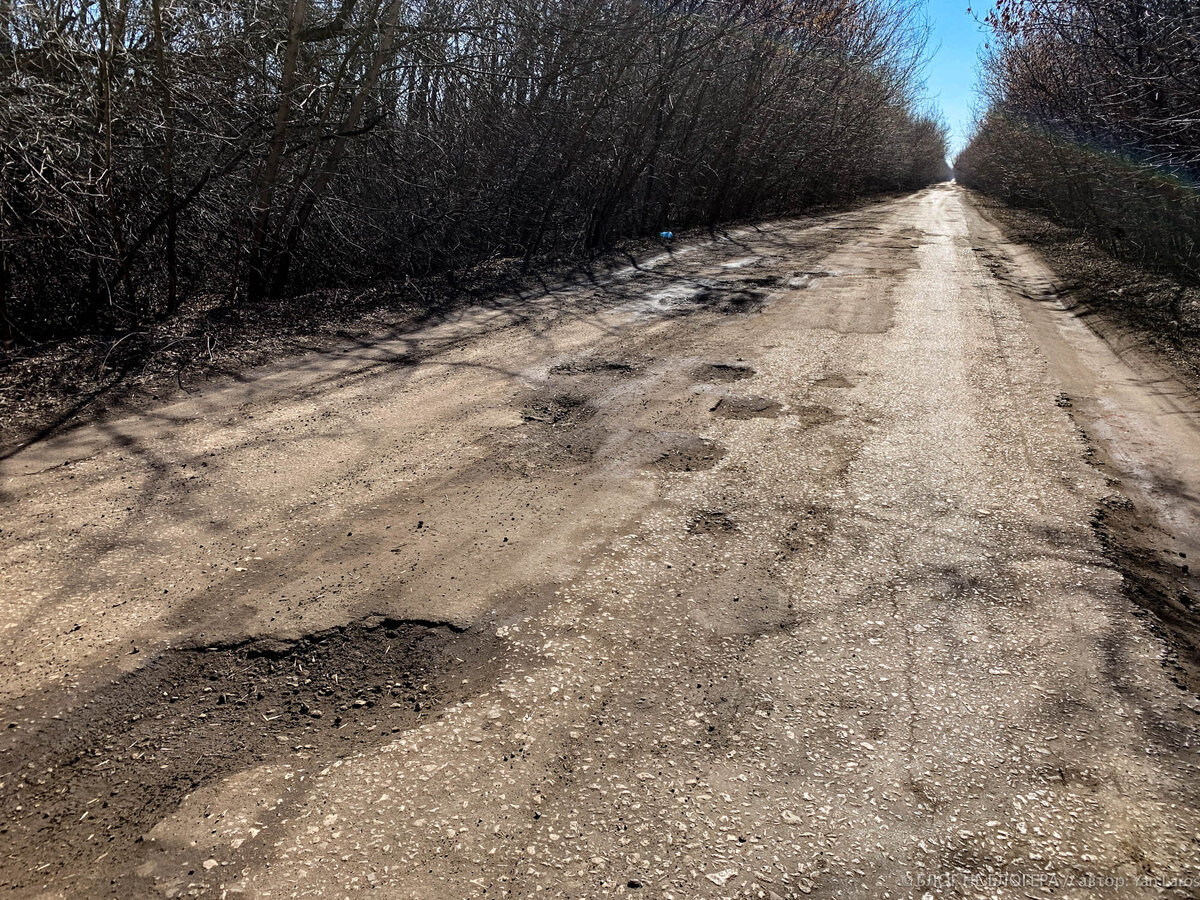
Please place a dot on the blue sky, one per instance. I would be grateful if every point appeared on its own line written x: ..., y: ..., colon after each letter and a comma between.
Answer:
x: 954, y: 42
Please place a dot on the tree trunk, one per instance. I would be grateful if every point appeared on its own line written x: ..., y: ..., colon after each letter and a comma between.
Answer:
x: 258, y: 277
x: 168, y: 161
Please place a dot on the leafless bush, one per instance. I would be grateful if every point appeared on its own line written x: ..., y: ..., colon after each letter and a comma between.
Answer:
x: 1094, y: 117
x: 152, y: 149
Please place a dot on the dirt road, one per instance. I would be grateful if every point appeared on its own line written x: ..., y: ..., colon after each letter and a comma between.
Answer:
x: 780, y: 565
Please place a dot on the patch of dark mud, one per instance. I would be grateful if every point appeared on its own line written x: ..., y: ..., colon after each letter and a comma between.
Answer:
x: 833, y: 381
x: 711, y: 521
x: 746, y: 408
x: 81, y: 787
x: 563, y: 409
x: 593, y: 366
x: 1159, y: 581
x: 812, y: 416
x: 692, y: 454
x: 723, y: 372
x: 730, y: 301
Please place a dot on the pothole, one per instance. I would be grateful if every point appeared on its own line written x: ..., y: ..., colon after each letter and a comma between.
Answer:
x: 731, y: 302
x: 560, y: 410
x: 560, y: 432
x: 705, y: 295
x: 91, y: 781
x: 723, y: 372
x: 746, y: 408
x: 814, y: 415
x: 833, y: 381
x: 711, y: 521
x: 592, y: 366
x: 690, y: 454
x: 1159, y: 581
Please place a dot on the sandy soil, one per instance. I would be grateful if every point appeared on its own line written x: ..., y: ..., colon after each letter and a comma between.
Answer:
x: 1117, y: 296
x: 815, y: 561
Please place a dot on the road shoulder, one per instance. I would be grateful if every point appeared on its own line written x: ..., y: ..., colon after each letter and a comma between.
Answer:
x: 1135, y: 400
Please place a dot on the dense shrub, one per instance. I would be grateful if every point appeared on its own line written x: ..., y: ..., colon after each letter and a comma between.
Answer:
x: 154, y: 148
x: 1091, y: 119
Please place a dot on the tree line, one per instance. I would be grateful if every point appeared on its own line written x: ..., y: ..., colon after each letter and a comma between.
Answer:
x: 1093, y: 116
x: 153, y: 151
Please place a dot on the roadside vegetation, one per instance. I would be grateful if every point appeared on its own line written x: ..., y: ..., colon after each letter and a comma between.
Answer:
x: 1092, y: 118
x: 160, y: 157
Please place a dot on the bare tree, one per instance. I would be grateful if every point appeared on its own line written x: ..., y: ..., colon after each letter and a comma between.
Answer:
x: 1094, y: 117
x: 154, y: 151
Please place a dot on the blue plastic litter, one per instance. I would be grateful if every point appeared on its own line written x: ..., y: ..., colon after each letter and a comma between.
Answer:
x: 666, y: 235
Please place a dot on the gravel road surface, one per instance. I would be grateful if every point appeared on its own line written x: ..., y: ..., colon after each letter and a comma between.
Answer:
x: 829, y: 558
